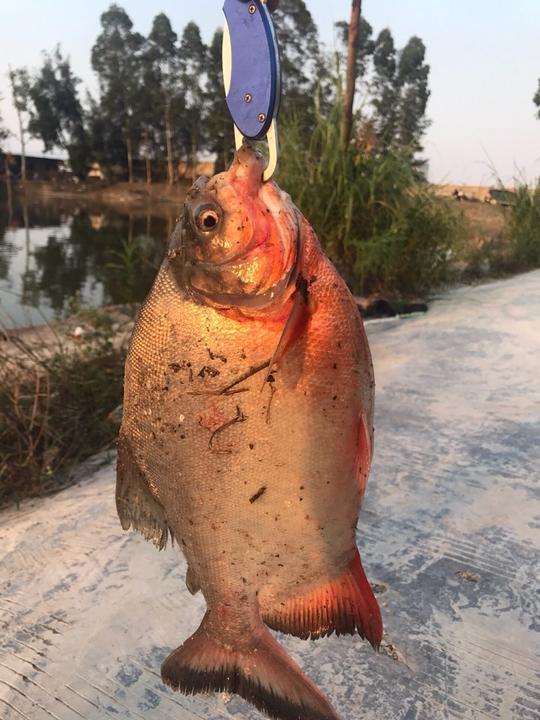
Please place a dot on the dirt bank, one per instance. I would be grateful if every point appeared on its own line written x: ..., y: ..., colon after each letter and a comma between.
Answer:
x: 120, y: 196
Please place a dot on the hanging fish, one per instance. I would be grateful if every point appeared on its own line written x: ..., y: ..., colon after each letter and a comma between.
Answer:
x: 247, y: 437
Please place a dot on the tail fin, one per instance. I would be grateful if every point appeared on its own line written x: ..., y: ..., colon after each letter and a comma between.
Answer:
x: 260, y: 671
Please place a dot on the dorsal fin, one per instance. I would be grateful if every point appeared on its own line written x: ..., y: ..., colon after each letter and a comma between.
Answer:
x: 136, y: 506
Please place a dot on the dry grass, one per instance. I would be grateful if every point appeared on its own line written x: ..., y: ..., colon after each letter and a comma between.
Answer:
x: 484, y: 223
x: 55, y: 410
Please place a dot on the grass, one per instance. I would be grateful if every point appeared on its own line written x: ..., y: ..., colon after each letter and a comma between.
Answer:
x: 523, y: 230
x: 55, y: 412
x: 385, y: 230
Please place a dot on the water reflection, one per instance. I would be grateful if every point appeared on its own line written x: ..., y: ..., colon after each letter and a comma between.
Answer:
x: 57, y: 256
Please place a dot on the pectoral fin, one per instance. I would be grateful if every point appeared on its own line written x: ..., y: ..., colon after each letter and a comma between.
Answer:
x: 363, y: 454
x: 192, y: 582
x: 296, y: 323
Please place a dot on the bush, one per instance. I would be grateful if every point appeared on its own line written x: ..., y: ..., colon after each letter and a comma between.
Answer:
x: 523, y: 230
x: 384, y: 229
x: 54, y: 412
x: 517, y: 247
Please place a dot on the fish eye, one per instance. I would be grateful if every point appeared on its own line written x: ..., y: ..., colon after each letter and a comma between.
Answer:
x: 207, y: 219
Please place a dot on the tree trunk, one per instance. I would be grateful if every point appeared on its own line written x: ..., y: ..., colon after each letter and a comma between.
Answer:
x: 23, y: 147
x: 194, y: 153
x: 148, y: 224
x: 354, y: 27
x: 26, y: 232
x: 147, y: 159
x: 129, y: 149
x: 168, y: 139
x: 8, y: 187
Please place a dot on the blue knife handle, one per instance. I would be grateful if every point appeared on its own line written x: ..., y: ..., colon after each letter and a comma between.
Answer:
x: 253, y: 97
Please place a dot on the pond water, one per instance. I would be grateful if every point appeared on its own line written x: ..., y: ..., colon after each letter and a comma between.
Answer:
x: 57, y: 257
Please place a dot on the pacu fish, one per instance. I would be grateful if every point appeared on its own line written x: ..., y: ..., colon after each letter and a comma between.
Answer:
x: 247, y: 436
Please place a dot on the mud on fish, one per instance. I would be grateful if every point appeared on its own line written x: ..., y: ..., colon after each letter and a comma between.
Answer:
x: 248, y: 435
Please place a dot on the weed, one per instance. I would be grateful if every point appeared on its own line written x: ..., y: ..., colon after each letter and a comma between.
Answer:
x: 54, y: 412
x: 516, y: 248
x: 382, y: 227
x: 523, y: 229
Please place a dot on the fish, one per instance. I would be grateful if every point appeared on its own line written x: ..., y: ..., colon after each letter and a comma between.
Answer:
x: 247, y: 439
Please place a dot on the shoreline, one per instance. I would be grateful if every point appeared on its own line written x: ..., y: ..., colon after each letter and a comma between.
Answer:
x: 120, y: 196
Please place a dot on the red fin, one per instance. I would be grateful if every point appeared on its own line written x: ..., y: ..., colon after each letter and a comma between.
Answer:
x: 296, y: 322
x: 345, y: 606
x: 363, y: 455
x: 258, y: 669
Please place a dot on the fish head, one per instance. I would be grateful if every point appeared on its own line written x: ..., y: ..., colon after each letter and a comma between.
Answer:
x: 238, y: 242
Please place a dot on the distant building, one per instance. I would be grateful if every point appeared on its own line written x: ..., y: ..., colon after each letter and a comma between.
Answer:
x: 37, y: 168
x: 95, y: 172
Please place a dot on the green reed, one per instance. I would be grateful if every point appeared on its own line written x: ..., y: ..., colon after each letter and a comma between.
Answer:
x: 384, y: 229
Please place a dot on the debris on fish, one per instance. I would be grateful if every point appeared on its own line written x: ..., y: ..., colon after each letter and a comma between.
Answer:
x: 247, y: 436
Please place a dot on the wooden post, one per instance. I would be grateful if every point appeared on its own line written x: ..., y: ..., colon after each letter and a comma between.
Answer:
x: 354, y: 29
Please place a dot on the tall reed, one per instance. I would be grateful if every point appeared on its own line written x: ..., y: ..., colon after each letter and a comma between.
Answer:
x: 384, y: 229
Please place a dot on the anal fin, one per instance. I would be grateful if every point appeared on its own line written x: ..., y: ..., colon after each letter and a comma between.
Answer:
x: 344, y: 606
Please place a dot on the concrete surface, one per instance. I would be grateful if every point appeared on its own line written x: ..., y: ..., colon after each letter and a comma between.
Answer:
x: 449, y: 533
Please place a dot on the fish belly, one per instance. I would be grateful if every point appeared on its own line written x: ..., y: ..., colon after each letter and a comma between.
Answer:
x: 257, y: 484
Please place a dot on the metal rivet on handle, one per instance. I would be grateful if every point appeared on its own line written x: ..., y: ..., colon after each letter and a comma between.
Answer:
x: 248, y: 97
x: 262, y: 117
x: 252, y: 9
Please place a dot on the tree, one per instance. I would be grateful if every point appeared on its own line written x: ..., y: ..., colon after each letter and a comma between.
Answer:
x: 193, y: 58
x: 365, y: 46
x: 301, y: 62
x: 384, y: 86
x: 116, y: 58
x: 536, y: 100
x: 58, y: 118
x: 163, y: 67
x: 352, y: 69
x: 217, y: 121
x: 413, y: 83
x: 400, y: 91
x: 4, y: 132
x: 20, y: 91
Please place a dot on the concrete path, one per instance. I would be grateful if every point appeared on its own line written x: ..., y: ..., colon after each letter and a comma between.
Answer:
x: 450, y: 534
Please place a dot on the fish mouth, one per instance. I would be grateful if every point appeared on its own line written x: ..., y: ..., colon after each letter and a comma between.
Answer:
x: 239, y: 240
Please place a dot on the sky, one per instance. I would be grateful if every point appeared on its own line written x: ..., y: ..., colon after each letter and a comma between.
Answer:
x: 484, y: 57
